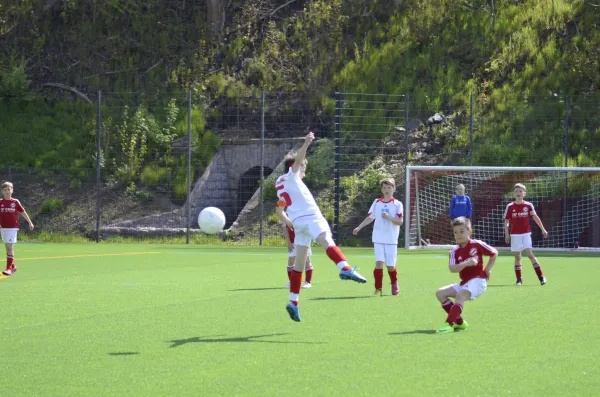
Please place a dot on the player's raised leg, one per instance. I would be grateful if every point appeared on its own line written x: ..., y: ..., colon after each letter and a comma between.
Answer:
x: 335, y: 254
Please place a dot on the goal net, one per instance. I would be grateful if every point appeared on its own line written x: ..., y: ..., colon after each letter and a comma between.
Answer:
x: 566, y: 199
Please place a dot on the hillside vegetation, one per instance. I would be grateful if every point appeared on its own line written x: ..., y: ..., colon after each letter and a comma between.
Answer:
x: 528, y: 64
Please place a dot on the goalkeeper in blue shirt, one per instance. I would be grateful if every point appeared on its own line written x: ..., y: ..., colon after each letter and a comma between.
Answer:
x: 460, y: 204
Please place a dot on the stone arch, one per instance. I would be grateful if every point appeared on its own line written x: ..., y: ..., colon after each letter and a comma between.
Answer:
x: 247, y: 185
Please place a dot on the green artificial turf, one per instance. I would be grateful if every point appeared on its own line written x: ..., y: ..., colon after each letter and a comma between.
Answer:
x: 176, y: 320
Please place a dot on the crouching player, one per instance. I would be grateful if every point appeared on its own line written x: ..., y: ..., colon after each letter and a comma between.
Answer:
x: 309, y: 225
x: 290, y: 236
x: 466, y: 259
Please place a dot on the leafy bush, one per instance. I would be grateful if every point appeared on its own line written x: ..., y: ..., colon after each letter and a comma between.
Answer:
x: 51, y: 205
x: 153, y: 175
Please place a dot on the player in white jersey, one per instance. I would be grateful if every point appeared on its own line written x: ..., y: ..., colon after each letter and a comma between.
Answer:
x: 305, y: 217
x: 387, y: 212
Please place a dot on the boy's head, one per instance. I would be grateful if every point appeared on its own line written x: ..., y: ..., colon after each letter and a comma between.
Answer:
x: 520, y: 191
x: 461, y: 227
x: 289, y: 161
x: 460, y: 189
x: 388, y: 186
x: 7, y: 189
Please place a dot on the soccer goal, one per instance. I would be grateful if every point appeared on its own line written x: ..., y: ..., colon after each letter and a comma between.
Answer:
x: 566, y: 199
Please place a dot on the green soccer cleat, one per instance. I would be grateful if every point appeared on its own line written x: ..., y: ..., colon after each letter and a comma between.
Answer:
x: 446, y: 329
x: 462, y: 326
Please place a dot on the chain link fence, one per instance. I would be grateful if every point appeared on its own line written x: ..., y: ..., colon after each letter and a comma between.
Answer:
x: 145, y: 165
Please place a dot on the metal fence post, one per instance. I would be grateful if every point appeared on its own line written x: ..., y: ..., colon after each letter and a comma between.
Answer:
x: 262, y: 167
x: 188, y: 208
x: 407, y: 100
x: 98, y: 163
x: 338, y: 139
x: 471, y: 130
x: 566, y: 154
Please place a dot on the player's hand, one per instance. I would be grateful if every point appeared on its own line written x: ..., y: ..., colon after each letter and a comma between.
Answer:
x: 507, y: 239
x: 289, y: 223
x: 355, y: 231
x: 545, y: 233
x: 387, y: 216
x: 290, y: 247
x: 487, y: 274
x: 31, y: 227
x: 309, y: 138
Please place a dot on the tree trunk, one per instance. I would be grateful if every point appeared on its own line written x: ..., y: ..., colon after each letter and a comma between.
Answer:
x: 216, y: 16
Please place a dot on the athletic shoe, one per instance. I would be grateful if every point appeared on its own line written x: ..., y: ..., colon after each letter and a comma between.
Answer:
x: 378, y: 291
x: 352, y: 274
x: 446, y: 329
x: 542, y: 279
x: 287, y: 285
x: 293, y: 311
x: 395, y: 288
x: 306, y: 285
x: 10, y: 270
x: 462, y: 326
x: 519, y: 283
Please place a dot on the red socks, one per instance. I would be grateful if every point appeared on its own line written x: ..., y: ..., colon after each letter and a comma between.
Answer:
x: 538, y: 270
x: 289, y: 272
x: 454, y: 314
x: 518, y: 272
x: 334, y: 253
x: 447, y: 306
x: 309, y: 274
x: 393, y: 276
x: 378, y: 276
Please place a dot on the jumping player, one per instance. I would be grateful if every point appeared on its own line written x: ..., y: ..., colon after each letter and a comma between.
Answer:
x: 10, y: 209
x: 466, y: 259
x: 387, y: 214
x: 309, y: 225
x: 517, y: 217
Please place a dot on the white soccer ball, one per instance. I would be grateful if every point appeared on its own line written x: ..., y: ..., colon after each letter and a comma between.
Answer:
x: 211, y: 220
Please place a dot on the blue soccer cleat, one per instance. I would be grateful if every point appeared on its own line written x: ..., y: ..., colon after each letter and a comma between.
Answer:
x: 351, y: 274
x: 293, y: 311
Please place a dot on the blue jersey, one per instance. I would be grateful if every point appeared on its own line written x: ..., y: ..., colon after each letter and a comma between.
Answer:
x: 460, y: 206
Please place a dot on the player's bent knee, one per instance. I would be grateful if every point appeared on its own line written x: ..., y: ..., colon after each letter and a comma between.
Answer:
x: 325, y: 239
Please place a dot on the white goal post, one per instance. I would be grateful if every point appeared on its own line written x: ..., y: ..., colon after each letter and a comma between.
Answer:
x: 567, y: 200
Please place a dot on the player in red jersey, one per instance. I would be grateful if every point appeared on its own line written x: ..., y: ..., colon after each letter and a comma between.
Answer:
x: 466, y: 259
x: 10, y: 209
x: 290, y: 236
x: 308, y: 223
x: 517, y: 217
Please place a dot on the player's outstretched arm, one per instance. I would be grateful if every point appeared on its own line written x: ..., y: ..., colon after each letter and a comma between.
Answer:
x: 368, y: 220
x: 301, y: 154
x: 540, y: 224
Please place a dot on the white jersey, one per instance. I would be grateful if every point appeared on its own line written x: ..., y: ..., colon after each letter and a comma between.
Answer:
x: 384, y: 231
x: 294, y: 195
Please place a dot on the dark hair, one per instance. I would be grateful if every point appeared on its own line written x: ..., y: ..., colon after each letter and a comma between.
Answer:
x: 289, y: 160
x: 462, y: 221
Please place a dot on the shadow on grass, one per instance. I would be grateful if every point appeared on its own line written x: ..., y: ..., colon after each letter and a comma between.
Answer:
x: 244, y: 339
x: 123, y: 353
x: 256, y: 289
x: 416, y: 331
x: 333, y: 298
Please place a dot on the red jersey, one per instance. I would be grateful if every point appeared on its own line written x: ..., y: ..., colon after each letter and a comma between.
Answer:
x: 518, y: 215
x: 474, y: 249
x: 291, y: 233
x: 9, y: 213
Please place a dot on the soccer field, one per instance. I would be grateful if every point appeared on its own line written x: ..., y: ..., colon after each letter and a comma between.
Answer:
x: 176, y: 320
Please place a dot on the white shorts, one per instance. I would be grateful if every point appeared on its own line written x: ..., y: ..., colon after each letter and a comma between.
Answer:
x: 9, y: 236
x: 308, y: 228
x: 520, y: 242
x: 386, y: 253
x: 476, y: 287
x: 292, y: 253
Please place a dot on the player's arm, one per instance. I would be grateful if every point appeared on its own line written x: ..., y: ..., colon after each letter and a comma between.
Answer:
x: 490, y: 264
x: 458, y: 267
x: 24, y: 215
x: 469, y: 207
x: 301, y: 154
x: 506, y: 233
x: 283, y: 217
x: 537, y: 220
x: 452, y: 202
x: 367, y: 221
